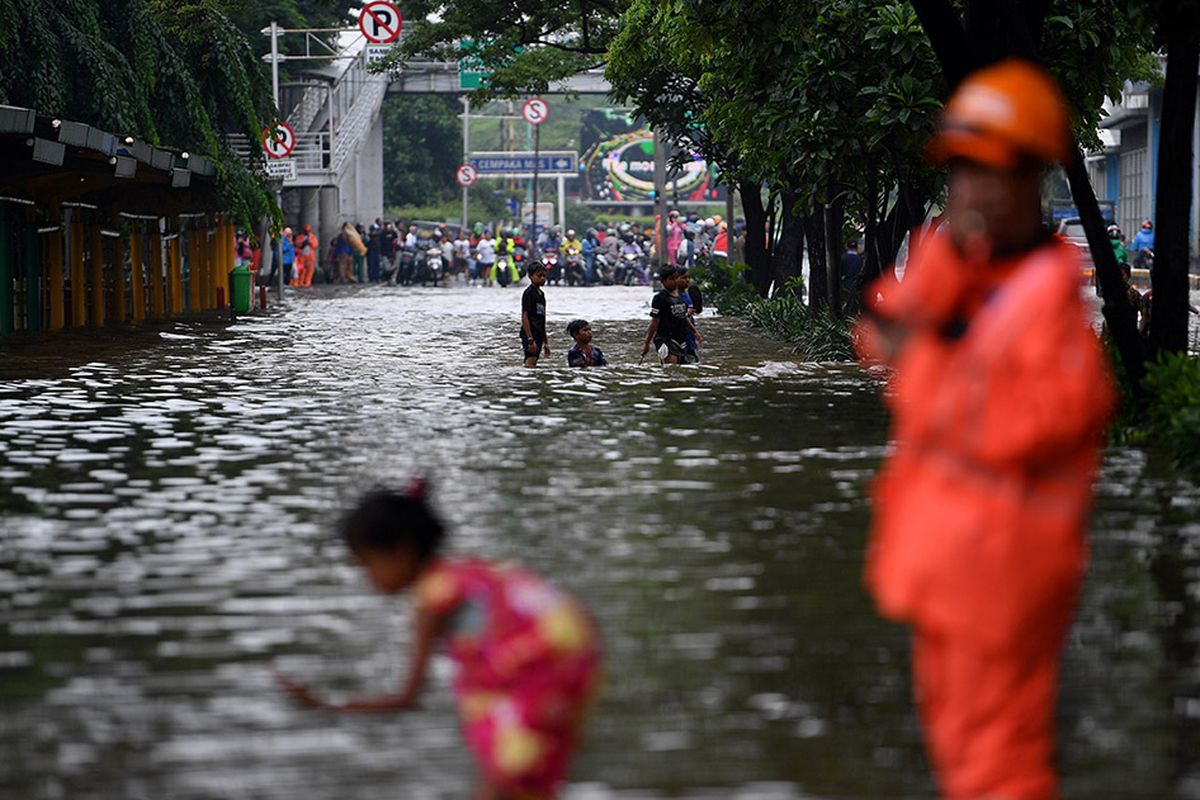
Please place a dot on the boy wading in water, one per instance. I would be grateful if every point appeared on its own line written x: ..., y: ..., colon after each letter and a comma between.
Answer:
x: 583, y: 354
x: 533, y: 317
x: 669, y: 323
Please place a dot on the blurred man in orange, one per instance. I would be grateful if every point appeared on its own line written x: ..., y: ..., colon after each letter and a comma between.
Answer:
x: 307, y: 247
x: 1000, y: 396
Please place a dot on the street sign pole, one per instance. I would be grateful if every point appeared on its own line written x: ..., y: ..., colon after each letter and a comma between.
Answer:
x: 275, y: 64
x: 466, y: 101
x: 537, y: 142
x: 660, y: 200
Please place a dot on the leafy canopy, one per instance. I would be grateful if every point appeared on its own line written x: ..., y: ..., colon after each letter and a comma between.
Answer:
x: 176, y: 73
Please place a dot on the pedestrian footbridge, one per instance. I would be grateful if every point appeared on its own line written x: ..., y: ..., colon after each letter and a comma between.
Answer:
x: 335, y: 114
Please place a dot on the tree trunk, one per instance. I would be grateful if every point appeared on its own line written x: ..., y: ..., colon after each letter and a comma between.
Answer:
x: 834, y: 217
x: 757, y: 256
x: 957, y: 53
x: 1173, y: 203
x: 785, y: 258
x: 1118, y: 314
x: 814, y: 233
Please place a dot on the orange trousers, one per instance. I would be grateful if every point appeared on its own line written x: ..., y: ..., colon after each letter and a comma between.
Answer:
x: 988, y: 717
x: 304, y: 270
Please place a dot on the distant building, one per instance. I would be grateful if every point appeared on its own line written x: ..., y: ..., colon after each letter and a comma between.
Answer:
x: 1126, y: 170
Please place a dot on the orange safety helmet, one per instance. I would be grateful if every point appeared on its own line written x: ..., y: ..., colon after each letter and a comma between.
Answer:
x: 1001, y: 114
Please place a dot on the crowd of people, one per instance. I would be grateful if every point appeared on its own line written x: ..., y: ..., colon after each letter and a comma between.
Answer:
x: 392, y: 252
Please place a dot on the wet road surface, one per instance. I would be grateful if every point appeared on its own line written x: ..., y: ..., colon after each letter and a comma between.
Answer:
x: 165, y: 545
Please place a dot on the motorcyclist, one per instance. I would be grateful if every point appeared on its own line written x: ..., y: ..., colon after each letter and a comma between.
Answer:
x: 590, y: 245
x: 1114, y: 238
x: 685, y: 255
x: 1143, y: 244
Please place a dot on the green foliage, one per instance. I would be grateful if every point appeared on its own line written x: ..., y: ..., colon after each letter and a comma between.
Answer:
x: 1172, y: 413
x: 819, y: 334
x: 527, y: 44
x: 176, y: 73
x: 422, y: 146
x: 1093, y: 47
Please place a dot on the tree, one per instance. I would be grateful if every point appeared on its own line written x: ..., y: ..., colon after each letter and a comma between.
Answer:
x: 421, y: 149
x: 527, y: 44
x: 1177, y: 32
x: 1092, y: 48
x: 177, y: 74
x: 829, y: 108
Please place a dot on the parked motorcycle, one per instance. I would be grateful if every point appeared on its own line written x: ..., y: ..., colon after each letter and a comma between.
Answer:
x: 576, y: 276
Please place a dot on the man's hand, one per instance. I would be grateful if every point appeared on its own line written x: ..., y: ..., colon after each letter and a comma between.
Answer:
x: 546, y: 347
x: 645, y: 348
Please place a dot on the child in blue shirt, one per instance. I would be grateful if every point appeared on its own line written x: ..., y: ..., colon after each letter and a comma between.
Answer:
x: 583, y: 354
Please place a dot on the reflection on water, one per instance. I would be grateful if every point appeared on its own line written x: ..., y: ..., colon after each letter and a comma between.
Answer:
x: 164, y: 547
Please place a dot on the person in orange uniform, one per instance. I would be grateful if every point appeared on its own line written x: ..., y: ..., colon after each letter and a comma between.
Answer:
x: 1000, y: 394
x: 307, y: 247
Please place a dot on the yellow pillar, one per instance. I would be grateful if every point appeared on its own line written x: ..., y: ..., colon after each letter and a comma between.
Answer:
x: 206, y: 287
x: 117, y: 265
x: 57, y: 300
x: 175, y: 264
x: 157, y: 303
x: 137, y: 273
x: 194, y: 290
x: 78, y: 274
x: 96, y: 267
x: 227, y: 267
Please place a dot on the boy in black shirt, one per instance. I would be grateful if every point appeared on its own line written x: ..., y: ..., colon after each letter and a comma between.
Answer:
x: 669, y: 323
x: 584, y: 353
x: 533, y: 317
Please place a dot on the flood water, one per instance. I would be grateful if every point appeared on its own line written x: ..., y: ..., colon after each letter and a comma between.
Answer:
x: 165, y: 545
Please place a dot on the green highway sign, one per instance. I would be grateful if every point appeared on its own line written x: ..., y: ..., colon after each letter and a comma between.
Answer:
x: 472, y: 74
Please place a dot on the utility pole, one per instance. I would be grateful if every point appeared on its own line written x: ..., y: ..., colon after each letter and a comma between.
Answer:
x: 660, y: 198
x: 466, y: 101
x: 537, y: 144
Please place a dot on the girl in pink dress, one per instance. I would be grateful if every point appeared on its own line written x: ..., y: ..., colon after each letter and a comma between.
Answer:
x: 528, y: 654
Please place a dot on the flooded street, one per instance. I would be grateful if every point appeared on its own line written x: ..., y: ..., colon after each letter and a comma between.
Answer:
x: 166, y: 545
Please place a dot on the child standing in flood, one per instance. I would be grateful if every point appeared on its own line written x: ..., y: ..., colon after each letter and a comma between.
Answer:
x: 533, y: 317
x: 527, y: 653
x: 669, y: 323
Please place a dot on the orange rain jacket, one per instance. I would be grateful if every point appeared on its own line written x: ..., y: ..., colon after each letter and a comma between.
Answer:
x: 1000, y: 396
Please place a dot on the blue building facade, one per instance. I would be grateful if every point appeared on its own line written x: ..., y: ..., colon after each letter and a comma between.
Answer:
x: 1126, y: 170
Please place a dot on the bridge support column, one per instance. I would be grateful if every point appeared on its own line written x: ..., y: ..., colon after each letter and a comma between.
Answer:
x: 329, y: 220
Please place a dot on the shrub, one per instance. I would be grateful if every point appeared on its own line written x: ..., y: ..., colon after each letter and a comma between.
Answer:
x: 1173, y: 408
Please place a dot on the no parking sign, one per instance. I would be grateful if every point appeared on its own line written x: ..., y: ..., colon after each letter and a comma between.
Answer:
x: 380, y: 22
x: 279, y: 140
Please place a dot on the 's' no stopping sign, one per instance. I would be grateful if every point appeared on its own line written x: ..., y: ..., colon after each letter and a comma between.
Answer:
x: 466, y: 175
x: 535, y: 111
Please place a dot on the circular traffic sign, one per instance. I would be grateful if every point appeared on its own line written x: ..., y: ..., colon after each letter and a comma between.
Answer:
x: 279, y: 140
x: 380, y: 22
x: 535, y: 111
x: 466, y: 175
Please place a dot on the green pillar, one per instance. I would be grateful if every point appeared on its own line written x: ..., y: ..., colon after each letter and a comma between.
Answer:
x: 33, y: 284
x: 6, y: 271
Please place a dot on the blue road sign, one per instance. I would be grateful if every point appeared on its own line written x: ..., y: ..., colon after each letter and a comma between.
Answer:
x: 548, y: 163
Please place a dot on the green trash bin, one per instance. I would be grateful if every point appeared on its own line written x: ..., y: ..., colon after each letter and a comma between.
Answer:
x: 241, y: 289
